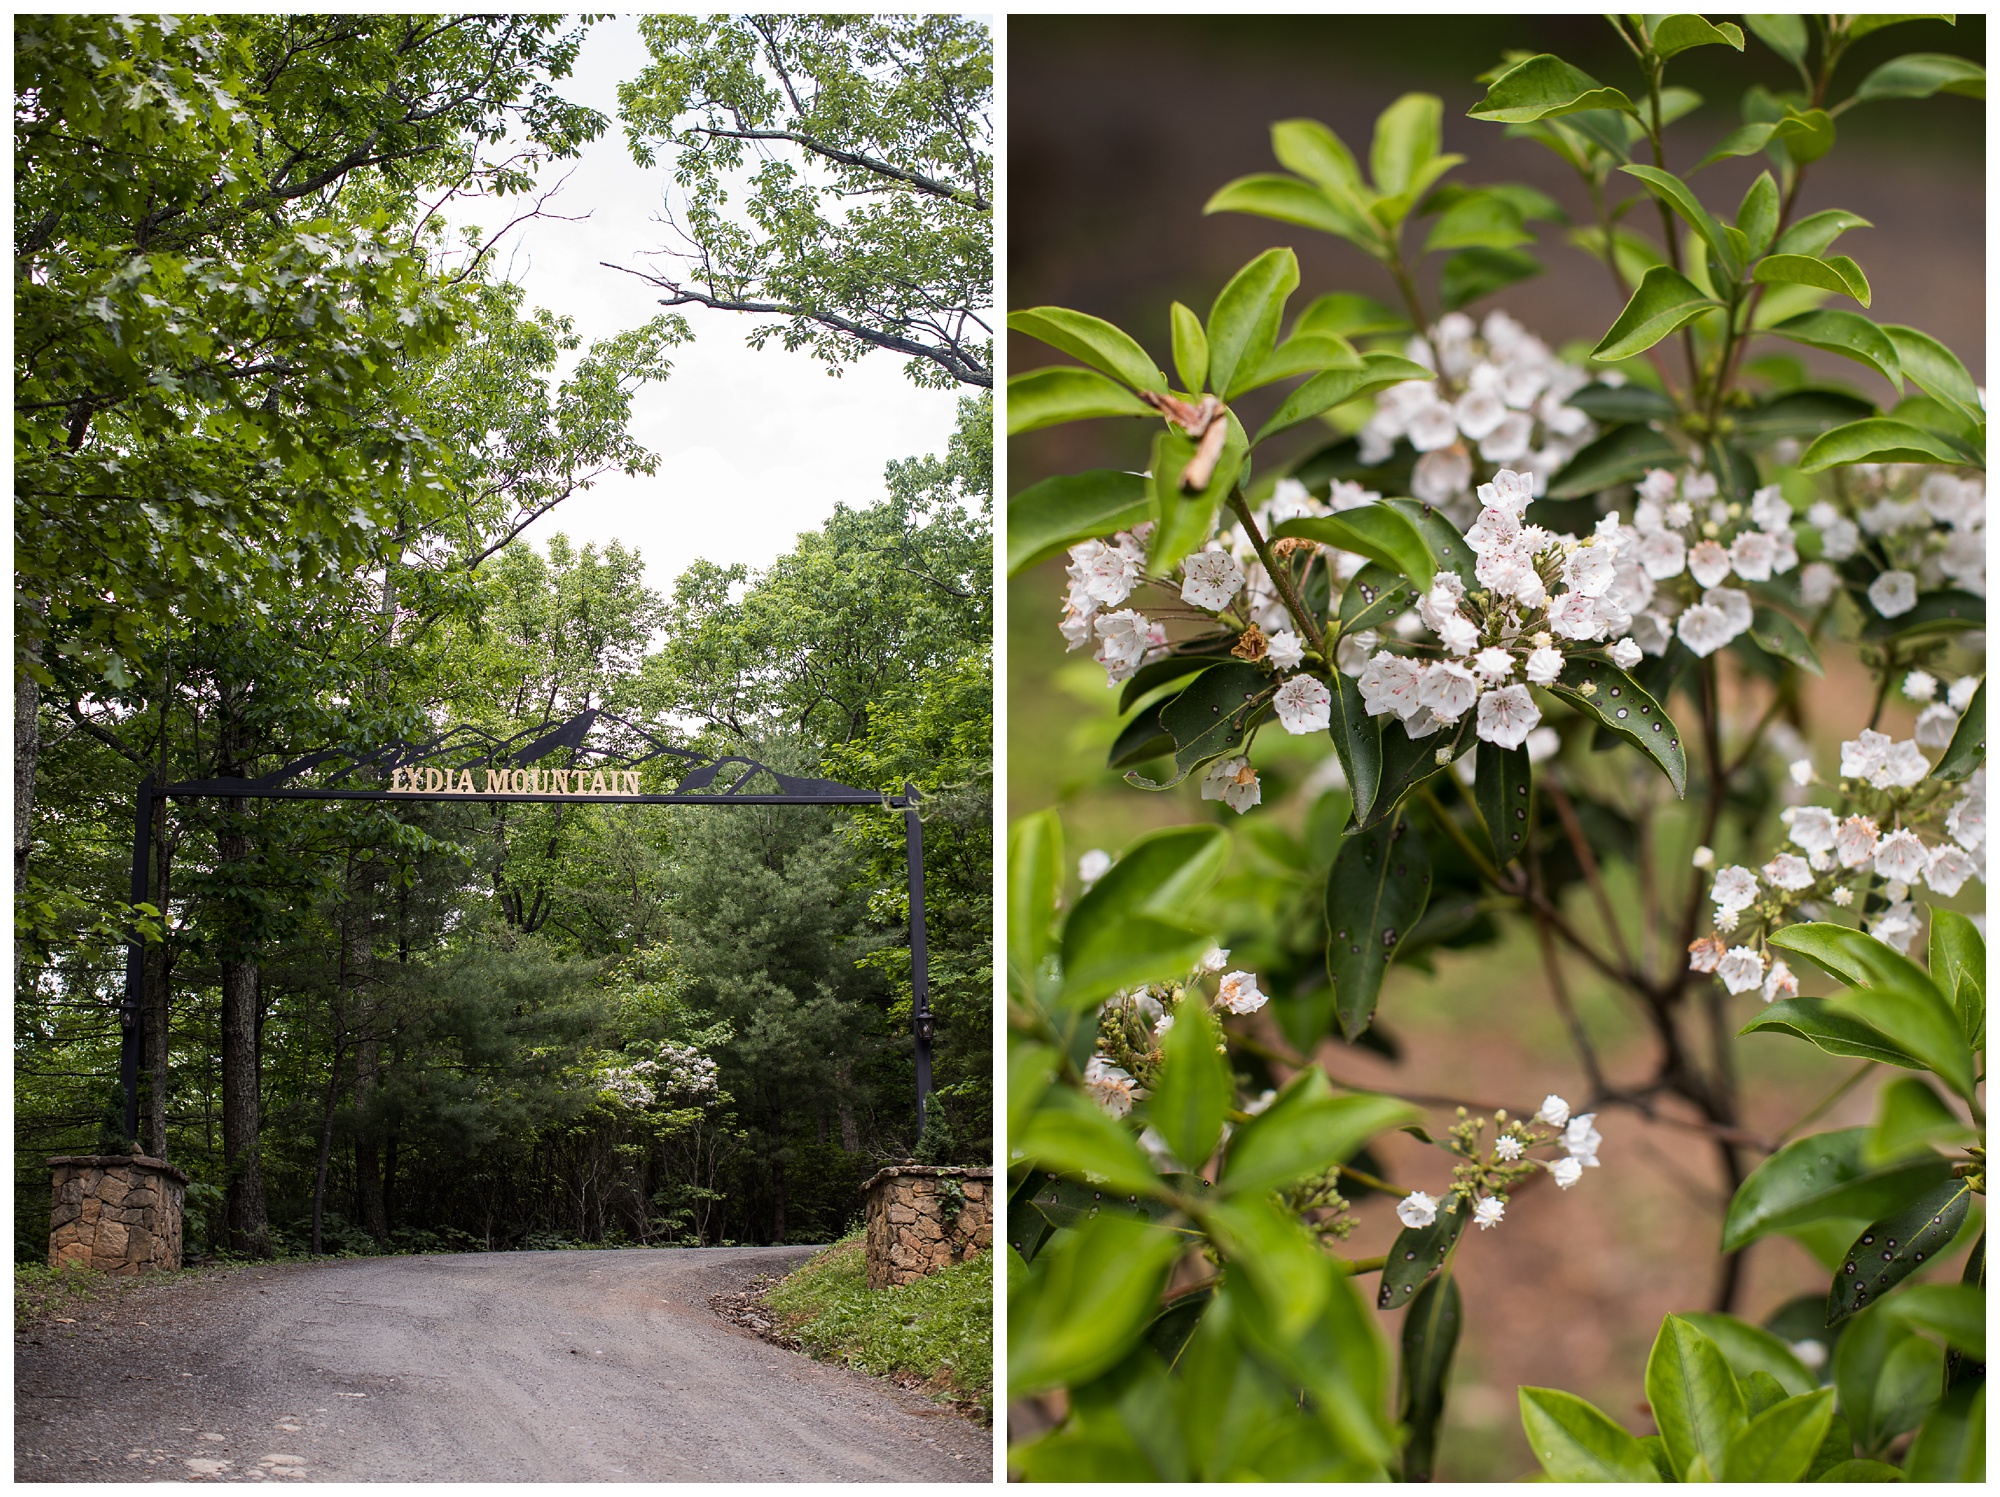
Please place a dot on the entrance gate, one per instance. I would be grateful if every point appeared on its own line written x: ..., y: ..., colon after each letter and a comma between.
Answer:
x: 468, y: 763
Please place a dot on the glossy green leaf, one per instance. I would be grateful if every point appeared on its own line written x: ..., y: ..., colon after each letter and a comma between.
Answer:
x: 1951, y: 1446
x: 1837, y: 274
x: 1285, y: 1267
x: 1836, y: 1033
x: 1141, y: 740
x: 1888, y: 1377
x: 1878, y: 440
x: 1209, y: 718
x: 1305, y: 1132
x: 1810, y: 137
x: 1543, y: 87
x: 1050, y: 397
x: 1953, y: 1312
x: 1376, y: 892
x: 1777, y: 635
x: 1357, y: 740
x: 1480, y: 271
x: 1447, y: 546
x: 1918, y: 75
x: 1761, y: 1391
x: 1958, y: 956
x: 1096, y: 342
x: 1070, y: 1135
x: 1049, y: 517
x: 1334, y: 387
x: 1415, y: 1255
x: 1190, y: 348
x: 1676, y: 34
x: 1613, y: 699
x: 1034, y: 881
x: 1618, y: 456
x: 1678, y: 196
x: 1376, y: 531
x: 1092, y: 1293
x: 1500, y: 790
x: 1748, y: 1348
x: 1031, y: 1070
x: 1813, y: 233
x: 1317, y: 154
x: 1695, y: 1399
x: 1748, y: 140
x: 1940, y: 611
x: 1243, y: 324
x: 1373, y: 596
x: 1848, y: 334
x: 1803, y: 413
x: 1820, y: 1176
x: 1194, y: 1088
x: 1305, y: 353
x: 1162, y: 873
x: 1622, y: 403
x: 1408, y: 763
x: 1779, y: 1444
x: 1266, y: 195
x: 1890, y: 1250
x: 1935, y: 369
x: 1910, y: 1117
x: 1071, y: 1203
x: 1855, y: 957
x: 1408, y: 136
x: 1478, y: 219
x: 1665, y: 301
x: 1920, y: 1021
x: 1757, y: 215
x: 1861, y: 1470
x: 1184, y: 521
x: 1783, y: 34
x: 1576, y: 1441
x: 1430, y: 1337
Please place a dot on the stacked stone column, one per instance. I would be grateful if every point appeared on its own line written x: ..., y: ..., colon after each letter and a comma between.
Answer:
x: 912, y: 1228
x: 115, y: 1213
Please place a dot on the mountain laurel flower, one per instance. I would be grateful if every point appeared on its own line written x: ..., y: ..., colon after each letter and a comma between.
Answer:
x: 1920, y: 686
x: 1751, y: 555
x: 1554, y: 1111
x: 1216, y: 959
x: 1862, y: 758
x: 1662, y: 553
x: 1212, y: 578
x: 1109, y: 1086
x: 1488, y: 1210
x: 1813, y: 828
x: 1727, y: 920
x: 1839, y: 539
x: 1948, y: 869
x: 1961, y: 693
x: 1506, y: 716
x: 1545, y: 663
x: 1708, y: 563
x: 1802, y: 771
x: 1901, y: 856
x: 1843, y: 896
x: 1493, y: 663
x: 1304, y: 705
x: 1447, y: 688
x: 1124, y: 638
x: 1735, y: 888
x: 1741, y: 969
x: 1780, y: 982
x: 1817, y: 584
x: 1416, y: 1210
x: 1894, y: 593
x: 1704, y: 857
x: 1768, y: 509
x: 1704, y: 954
x: 1965, y: 822
x: 1626, y: 653
x: 1788, y: 871
x: 1234, y: 783
x: 1897, y: 926
x: 1574, y: 616
x: 1902, y: 767
x: 1285, y: 650
x: 1855, y: 844
x: 1092, y: 866
x: 1239, y: 994
x: 1509, y: 492
x: 1507, y: 1148
x: 1935, y: 726
x: 1591, y: 570
x: 1704, y: 629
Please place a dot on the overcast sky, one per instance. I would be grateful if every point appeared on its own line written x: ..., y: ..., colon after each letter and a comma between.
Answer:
x: 754, y: 447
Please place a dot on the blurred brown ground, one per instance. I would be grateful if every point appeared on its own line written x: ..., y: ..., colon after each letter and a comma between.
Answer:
x: 1118, y: 130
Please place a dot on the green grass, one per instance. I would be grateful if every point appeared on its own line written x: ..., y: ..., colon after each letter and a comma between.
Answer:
x: 938, y: 1330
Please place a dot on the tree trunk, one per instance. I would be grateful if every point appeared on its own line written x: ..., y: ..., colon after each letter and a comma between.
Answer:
x: 249, y: 1228
x: 778, y: 1201
x: 27, y: 751
x: 155, y: 1004
x: 326, y: 1135
x: 357, y: 961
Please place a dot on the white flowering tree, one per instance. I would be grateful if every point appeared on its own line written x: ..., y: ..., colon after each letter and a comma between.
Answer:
x: 1501, y: 561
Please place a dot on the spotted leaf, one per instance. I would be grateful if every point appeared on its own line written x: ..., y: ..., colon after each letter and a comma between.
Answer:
x: 1416, y: 1254
x: 1892, y: 1249
x: 1618, y: 702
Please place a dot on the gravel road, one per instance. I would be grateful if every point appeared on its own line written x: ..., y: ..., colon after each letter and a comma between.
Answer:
x: 563, y: 1366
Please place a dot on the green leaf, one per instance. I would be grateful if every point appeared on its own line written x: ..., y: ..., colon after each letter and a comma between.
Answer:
x: 1408, y: 135
x: 1779, y: 1444
x: 1777, y: 635
x: 1619, y: 456
x: 1837, y: 274
x: 1748, y: 1348
x: 1132, y: 926
x: 1345, y: 315
x: 1194, y: 1088
x: 1210, y: 717
x: 1190, y: 349
x: 1748, y: 140
x: 1243, y: 324
x: 1920, y: 1021
x: 1447, y: 546
x: 1958, y: 954
x: 1338, y: 386
x: 1376, y: 892
x: 1091, y: 1294
x: 1373, y: 596
x: 1305, y: 353
x: 1070, y: 1135
x: 1694, y: 1395
x: 1860, y: 26
x: 1614, y: 700
x: 1967, y: 749
x: 1918, y: 75
x: 1784, y: 35
x: 1666, y: 300
x: 1408, y: 762
x: 1800, y: 413
x: 1542, y: 87
x: 1622, y: 403
x: 1757, y: 215
x: 1049, y: 397
x: 1807, y: 134
x: 1822, y: 1176
x: 1678, y: 196
x: 1481, y: 219
x: 1500, y: 790
x: 1861, y: 1470
x: 1953, y: 1312
x: 1952, y: 1444
x: 1376, y: 531
x: 1317, y: 154
x: 1576, y: 1441
x: 1836, y: 1033
x: 1141, y: 740
x: 1184, y: 521
x: 1676, y: 34
x: 1416, y: 1254
x: 1888, y: 1377
x: 1305, y: 1132
x: 1877, y: 440
x: 1890, y: 1250
x: 1939, y: 611
x: 1291, y: 201
x: 1093, y: 340
x: 1909, y: 1118
x: 1813, y: 233
x: 1285, y: 1267
x: 1357, y: 740
x: 1034, y: 881
x: 1476, y: 272
x: 1935, y: 369
x: 1049, y: 517
x: 1430, y: 1337
x: 1850, y: 335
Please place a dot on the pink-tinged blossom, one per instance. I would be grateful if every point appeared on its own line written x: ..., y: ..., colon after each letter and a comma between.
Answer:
x: 1862, y: 758
x: 1505, y: 567
x: 1493, y: 663
x: 1735, y: 888
x: 1109, y: 1086
x: 1626, y: 653
x: 1788, y: 871
x: 1458, y: 634
x: 1780, y: 982
x: 1737, y: 610
x: 1494, y: 527
x: 1442, y: 475
x: 1487, y: 1211
x: 1708, y: 563
x: 1697, y: 487
x: 1948, y: 869
x: 1509, y: 491
x: 1893, y: 593
x: 1658, y: 485
x: 1591, y: 570
x: 1212, y: 579
x: 1234, y: 783
x: 1389, y: 684
x: 1510, y: 441
x: 1544, y: 665
x: 1902, y: 767
x: 1304, y: 705
x: 1124, y: 638
x: 1814, y: 828
x: 1817, y: 583
x: 1507, y: 716
x: 1751, y: 555
x: 1447, y: 688
x: 1855, y: 845
x: 1416, y: 1210
x: 1900, y: 856
x: 1106, y: 574
x: 1478, y: 412
x: 1574, y: 616
x: 1897, y: 926
x: 1285, y: 650
x: 1784, y: 552
x: 1704, y: 954
x: 1238, y: 993
x: 1965, y: 822
x: 1741, y: 969
x: 1704, y: 629
x: 1352, y: 653
x: 1432, y: 427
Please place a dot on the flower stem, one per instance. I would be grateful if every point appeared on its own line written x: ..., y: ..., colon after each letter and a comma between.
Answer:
x: 1279, y: 578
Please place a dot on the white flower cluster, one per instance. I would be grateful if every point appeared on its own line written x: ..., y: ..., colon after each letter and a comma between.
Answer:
x: 1929, y: 523
x: 1939, y: 719
x: 1580, y: 1141
x: 678, y: 1071
x: 1510, y: 628
x: 1503, y: 394
x: 1101, y: 576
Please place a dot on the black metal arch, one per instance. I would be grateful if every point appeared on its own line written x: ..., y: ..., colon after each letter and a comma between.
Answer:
x: 513, y: 770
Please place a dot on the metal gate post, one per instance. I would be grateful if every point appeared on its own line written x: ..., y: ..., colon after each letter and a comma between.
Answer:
x: 131, y: 1012
x: 922, y: 1024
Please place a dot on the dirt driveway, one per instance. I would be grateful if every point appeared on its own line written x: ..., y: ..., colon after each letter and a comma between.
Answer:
x: 560, y: 1366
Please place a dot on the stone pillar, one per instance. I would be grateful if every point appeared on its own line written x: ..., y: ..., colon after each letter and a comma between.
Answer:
x: 922, y: 1218
x: 115, y: 1213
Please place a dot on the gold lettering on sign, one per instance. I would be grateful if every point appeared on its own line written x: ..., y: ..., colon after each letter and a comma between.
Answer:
x: 430, y: 780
